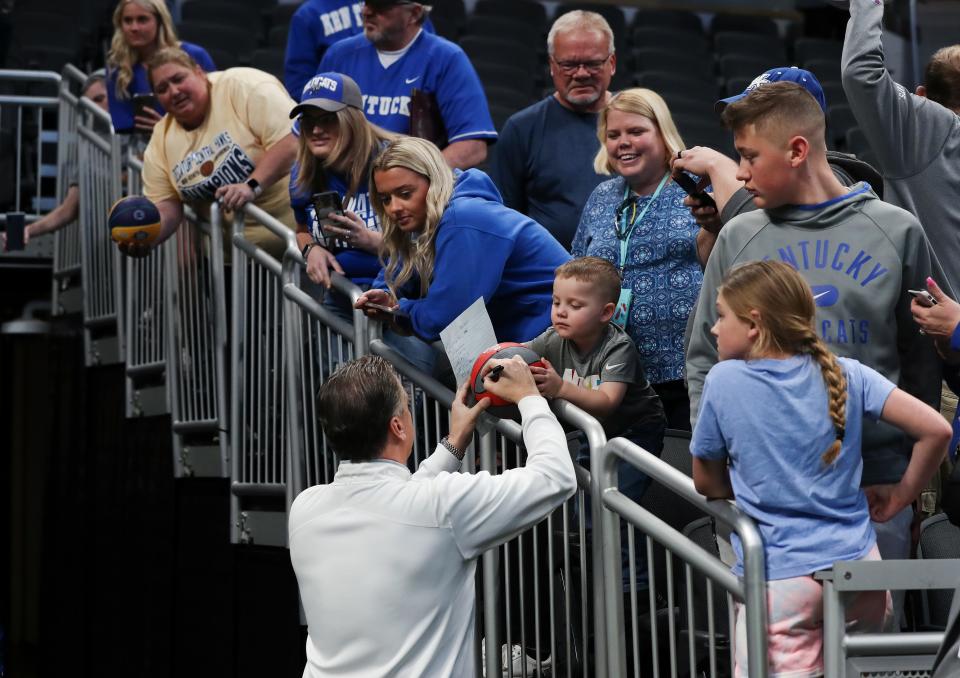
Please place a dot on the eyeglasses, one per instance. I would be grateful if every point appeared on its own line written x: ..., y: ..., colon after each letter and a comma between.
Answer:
x: 591, y: 67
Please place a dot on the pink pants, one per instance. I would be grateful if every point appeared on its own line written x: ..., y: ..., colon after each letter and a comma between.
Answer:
x: 795, y: 624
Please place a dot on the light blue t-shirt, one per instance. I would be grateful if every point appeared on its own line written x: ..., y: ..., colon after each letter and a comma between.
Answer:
x: 774, y: 430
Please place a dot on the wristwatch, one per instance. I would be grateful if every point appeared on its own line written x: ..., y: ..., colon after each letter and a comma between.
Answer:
x: 255, y: 187
x: 454, y: 450
x: 306, y: 248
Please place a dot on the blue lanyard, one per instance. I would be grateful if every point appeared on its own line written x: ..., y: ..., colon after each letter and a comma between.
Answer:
x: 625, y: 227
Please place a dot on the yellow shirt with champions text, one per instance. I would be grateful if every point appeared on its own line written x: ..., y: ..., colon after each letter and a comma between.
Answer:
x: 249, y: 112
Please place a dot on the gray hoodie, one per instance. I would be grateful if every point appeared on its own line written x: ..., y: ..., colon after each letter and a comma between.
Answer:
x: 916, y: 141
x: 860, y: 255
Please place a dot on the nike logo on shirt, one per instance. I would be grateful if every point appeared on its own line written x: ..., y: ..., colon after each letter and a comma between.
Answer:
x: 410, y: 81
x: 611, y: 367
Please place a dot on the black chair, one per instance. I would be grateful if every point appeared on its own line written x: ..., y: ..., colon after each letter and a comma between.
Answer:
x: 673, y: 19
x: 746, y: 23
x: 672, y: 40
x: 856, y: 143
x: 705, y: 131
x: 502, y: 52
x: 833, y: 92
x: 223, y: 59
x: 653, y: 59
x: 741, y: 66
x: 232, y: 39
x: 759, y: 45
x: 451, y: 12
x: 527, y: 11
x: 277, y: 36
x: 280, y: 15
x: 269, y: 59
x: 840, y: 120
x: 504, y: 75
x: 45, y: 58
x: 690, y: 107
x: 736, y: 86
x: 38, y: 30
x: 500, y: 28
x: 666, y: 82
x: 824, y: 69
x: 939, y: 538
x: 222, y: 14
x: 507, y: 97
x: 500, y: 114
x: 808, y: 49
x: 445, y: 27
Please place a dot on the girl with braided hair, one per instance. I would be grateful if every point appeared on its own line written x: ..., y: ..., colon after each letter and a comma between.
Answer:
x: 779, y: 431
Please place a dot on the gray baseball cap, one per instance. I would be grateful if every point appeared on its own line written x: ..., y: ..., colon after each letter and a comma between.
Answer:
x: 330, y: 92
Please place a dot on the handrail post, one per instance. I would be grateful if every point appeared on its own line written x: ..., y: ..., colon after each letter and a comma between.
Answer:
x: 491, y: 571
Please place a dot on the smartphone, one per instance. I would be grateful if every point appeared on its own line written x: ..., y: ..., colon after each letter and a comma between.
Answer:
x: 923, y: 297
x: 380, y: 307
x: 143, y: 101
x: 325, y: 204
x: 689, y: 187
x: 16, y: 222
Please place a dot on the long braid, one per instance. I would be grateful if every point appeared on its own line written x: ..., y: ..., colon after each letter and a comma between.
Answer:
x: 836, y: 385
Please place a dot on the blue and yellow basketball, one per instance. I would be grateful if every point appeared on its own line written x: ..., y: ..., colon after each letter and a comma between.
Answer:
x: 134, y: 219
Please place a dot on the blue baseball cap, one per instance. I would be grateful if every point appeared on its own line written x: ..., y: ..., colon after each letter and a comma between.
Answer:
x: 330, y: 92
x: 781, y: 74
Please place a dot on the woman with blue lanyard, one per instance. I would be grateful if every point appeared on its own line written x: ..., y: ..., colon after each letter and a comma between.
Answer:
x: 638, y: 221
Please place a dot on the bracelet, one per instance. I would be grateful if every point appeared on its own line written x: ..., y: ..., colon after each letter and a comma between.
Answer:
x: 306, y: 248
x: 453, y: 449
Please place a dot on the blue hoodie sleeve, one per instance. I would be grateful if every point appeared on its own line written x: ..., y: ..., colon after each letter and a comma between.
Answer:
x: 469, y: 263
x: 304, y: 51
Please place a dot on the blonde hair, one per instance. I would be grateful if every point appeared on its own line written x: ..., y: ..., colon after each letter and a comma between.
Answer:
x: 401, y: 254
x: 121, y: 57
x: 357, y: 143
x: 786, y: 309
x: 649, y: 104
x: 596, y: 272
x: 579, y: 20
x: 169, y: 55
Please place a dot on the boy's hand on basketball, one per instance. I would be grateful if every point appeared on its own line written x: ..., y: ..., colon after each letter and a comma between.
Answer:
x: 548, y: 381
x: 886, y: 501
x: 134, y: 249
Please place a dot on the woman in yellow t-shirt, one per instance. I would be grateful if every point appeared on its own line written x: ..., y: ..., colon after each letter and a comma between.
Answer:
x: 225, y: 137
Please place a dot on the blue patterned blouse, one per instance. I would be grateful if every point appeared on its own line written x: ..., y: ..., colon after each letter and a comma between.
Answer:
x: 661, y: 268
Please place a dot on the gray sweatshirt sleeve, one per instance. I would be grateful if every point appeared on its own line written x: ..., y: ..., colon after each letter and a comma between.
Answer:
x: 702, y: 349
x: 905, y: 131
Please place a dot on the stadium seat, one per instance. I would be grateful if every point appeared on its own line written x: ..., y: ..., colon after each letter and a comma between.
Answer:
x: 939, y: 538
x: 743, y: 66
x: 508, y: 97
x: 769, y: 47
x: 526, y: 11
x: 449, y: 12
x: 705, y: 131
x: 668, y: 18
x: 671, y: 40
x: 839, y: 121
x: 746, y: 23
x: 856, y: 143
x: 692, y: 106
x: 233, y: 40
x: 506, y: 52
x: 280, y: 15
x: 222, y: 58
x: 833, y: 91
x: 501, y: 28
x: 736, y: 85
x: 504, y: 75
x: 222, y: 14
x: 665, y: 82
x: 824, y: 69
x: 269, y: 59
x: 277, y: 36
x: 445, y: 27
x: 807, y: 49
x: 40, y: 29
x: 500, y: 114
x: 656, y: 59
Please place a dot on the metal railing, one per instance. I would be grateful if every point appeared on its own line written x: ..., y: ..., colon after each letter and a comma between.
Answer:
x: 26, y: 130
x: 751, y: 590
x: 259, y: 397
x: 100, y: 186
x: 196, y: 320
x: 66, y: 292
x: 879, y: 655
x: 145, y: 326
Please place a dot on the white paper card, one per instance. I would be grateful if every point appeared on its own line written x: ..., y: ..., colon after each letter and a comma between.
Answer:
x: 469, y: 335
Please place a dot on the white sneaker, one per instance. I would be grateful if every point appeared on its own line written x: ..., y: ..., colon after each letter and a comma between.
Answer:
x: 520, y: 664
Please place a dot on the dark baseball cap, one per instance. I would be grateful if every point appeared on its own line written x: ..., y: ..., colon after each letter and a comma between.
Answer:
x: 330, y: 92
x: 389, y: 3
x: 781, y: 74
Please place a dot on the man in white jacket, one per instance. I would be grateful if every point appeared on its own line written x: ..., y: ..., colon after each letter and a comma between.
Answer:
x: 385, y: 559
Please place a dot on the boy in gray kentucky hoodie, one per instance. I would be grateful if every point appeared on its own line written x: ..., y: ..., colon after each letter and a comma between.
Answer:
x: 859, y: 254
x: 916, y: 139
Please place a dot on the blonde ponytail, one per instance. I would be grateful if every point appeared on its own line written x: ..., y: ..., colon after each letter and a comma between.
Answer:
x: 836, y: 385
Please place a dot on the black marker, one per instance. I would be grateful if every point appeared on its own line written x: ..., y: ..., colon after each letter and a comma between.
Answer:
x: 494, y: 374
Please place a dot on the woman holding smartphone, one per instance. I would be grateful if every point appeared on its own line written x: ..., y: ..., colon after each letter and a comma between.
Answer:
x: 337, y: 229
x: 140, y: 28
x: 448, y: 240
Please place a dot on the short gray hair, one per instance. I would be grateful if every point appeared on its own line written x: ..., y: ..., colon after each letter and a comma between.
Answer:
x: 580, y: 20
